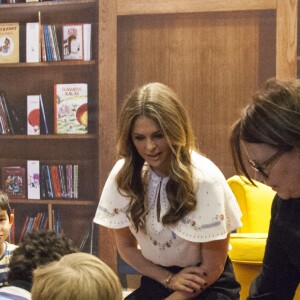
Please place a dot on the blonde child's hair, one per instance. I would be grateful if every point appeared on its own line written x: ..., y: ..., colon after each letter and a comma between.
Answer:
x: 76, y: 276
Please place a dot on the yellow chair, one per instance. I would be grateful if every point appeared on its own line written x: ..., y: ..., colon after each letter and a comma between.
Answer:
x: 247, y: 245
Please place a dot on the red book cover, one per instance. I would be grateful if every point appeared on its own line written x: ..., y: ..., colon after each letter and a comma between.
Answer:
x: 14, y: 182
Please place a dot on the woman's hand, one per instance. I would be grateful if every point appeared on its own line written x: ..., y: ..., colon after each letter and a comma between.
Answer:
x: 189, y: 280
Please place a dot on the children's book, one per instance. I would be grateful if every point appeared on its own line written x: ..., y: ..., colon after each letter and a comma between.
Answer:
x: 14, y: 181
x: 33, y: 114
x: 72, y: 41
x: 9, y: 43
x: 71, y: 108
x: 33, y: 179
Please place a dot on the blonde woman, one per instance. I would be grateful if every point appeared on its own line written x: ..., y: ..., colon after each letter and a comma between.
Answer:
x: 76, y: 276
x: 171, y: 201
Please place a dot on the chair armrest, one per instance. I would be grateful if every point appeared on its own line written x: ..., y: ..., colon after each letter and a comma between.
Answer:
x: 247, y: 248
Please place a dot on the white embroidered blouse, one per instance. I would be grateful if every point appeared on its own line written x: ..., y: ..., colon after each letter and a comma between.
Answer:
x: 216, y: 214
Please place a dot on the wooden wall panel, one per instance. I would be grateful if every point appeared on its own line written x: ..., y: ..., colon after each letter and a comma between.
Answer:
x: 215, y: 61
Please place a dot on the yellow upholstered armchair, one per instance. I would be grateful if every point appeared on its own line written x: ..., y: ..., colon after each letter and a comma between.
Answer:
x: 247, y: 245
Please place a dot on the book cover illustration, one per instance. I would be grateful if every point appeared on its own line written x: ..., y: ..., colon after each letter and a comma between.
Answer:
x: 33, y: 114
x: 33, y: 179
x: 9, y: 43
x: 73, y: 41
x: 71, y: 108
x: 14, y: 181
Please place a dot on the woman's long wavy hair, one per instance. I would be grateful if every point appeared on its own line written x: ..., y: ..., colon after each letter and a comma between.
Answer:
x: 158, y: 102
x: 273, y: 119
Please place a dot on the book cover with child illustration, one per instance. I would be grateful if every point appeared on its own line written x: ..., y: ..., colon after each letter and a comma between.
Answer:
x: 71, y: 108
x: 9, y: 43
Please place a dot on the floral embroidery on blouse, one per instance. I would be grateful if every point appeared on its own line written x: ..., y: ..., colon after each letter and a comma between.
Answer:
x: 187, y: 220
x: 163, y: 246
x: 114, y: 212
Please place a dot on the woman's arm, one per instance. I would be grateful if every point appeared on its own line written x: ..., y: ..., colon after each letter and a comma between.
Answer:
x: 214, y: 255
x: 188, y: 280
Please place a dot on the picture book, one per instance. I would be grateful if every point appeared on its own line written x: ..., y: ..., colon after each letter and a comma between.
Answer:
x: 33, y: 114
x: 9, y: 43
x: 33, y: 179
x: 14, y: 181
x: 71, y: 108
x: 72, y: 41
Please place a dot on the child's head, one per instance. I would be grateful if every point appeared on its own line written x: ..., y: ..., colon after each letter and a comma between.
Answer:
x: 4, y: 203
x: 6, y: 217
x: 76, y: 276
x: 37, y: 248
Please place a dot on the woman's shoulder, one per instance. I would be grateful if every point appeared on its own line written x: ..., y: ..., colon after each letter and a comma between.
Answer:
x: 204, y: 169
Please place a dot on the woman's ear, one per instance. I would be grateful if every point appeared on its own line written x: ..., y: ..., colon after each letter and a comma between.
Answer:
x: 11, y: 219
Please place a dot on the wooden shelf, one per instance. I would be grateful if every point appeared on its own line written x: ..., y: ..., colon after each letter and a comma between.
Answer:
x: 55, y: 202
x: 54, y: 64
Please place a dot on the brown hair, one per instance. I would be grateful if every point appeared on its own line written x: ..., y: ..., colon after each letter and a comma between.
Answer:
x: 158, y: 102
x: 273, y: 119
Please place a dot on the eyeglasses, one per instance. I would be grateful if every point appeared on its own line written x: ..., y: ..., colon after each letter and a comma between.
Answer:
x: 261, y: 168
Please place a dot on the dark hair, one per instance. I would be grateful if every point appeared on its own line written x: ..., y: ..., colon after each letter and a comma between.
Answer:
x: 273, y: 119
x: 4, y: 203
x: 37, y: 248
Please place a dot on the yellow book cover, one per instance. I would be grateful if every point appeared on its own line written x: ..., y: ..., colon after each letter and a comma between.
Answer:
x: 9, y: 43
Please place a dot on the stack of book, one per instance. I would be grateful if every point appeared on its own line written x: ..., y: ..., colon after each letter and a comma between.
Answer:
x: 9, y: 121
x: 55, y: 181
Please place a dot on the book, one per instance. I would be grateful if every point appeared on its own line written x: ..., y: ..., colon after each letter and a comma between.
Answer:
x: 75, y: 181
x: 14, y: 181
x: 44, y: 118
x: 56, y: 181
x: 5, y: 109
x: 71, y: 108
x: 87, y: 36
x: 33, y: 179
x: 9, y: 43
x: 33, y: 42
x: 72, y: 41
x: 33, y: 114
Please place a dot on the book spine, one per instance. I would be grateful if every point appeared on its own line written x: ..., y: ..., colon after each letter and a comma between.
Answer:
x: 7, y: 113
x: 24, y: 228
x: 75, y: 181
x: 3, y: 118
x: 47, y: 43
x: 62, y: 178
x: 53, y: 29
x: 55, y: 180
x: 43, y: 45
x: 49, y: 182
x: 33, y: 179
x: 44, y: 115
x: 52, y: 46
x: 87, y: 49
x: 33, y: 42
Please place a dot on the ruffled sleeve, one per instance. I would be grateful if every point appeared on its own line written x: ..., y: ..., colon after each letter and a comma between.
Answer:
x: 111, y: 211
x: 217, y: 212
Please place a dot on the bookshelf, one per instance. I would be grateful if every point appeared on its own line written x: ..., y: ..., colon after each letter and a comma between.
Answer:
x: 21, y: 79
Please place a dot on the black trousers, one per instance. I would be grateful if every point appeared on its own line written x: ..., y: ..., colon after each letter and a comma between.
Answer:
x: 225, y: 288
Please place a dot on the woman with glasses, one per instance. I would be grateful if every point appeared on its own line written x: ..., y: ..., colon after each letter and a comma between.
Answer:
x: 267, y: 139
